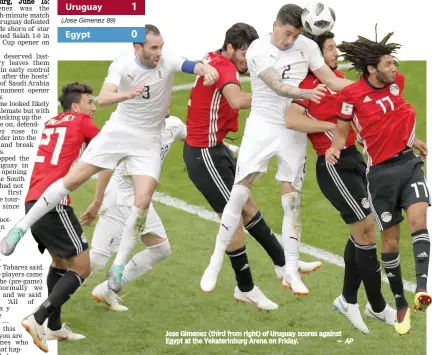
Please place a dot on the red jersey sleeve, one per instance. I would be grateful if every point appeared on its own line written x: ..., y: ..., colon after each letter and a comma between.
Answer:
x: 308, y: 83
x: 88, y: 128
x: 227, y: 75
x: 345, y: 104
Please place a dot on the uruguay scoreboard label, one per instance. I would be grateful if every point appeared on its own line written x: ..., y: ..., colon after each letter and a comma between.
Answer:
x: 101, y: 7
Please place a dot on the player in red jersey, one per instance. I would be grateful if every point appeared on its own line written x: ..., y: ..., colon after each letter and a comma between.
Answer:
x: 212, y: 114
x: 344, y: 185
x: 386, y: 128
x: 59, y: 231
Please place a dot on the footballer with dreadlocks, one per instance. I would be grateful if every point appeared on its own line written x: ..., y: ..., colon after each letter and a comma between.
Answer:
x: 345, y: 187
x: 386, y: 128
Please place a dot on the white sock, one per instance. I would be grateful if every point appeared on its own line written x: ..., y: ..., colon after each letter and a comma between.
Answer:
x: 231, y: 218
x: 291, y: 229
x: 131, y: 233
x: 98, y: 260
x: 49, y: 200
x: 145, y: 260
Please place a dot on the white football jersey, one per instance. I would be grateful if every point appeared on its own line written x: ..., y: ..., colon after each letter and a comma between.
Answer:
x: 148, y: 111
x: 292, y: 64
x: 121, y: 181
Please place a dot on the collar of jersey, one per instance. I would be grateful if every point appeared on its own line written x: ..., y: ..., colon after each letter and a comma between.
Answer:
x: 370, y: 84
x: 142, y: 66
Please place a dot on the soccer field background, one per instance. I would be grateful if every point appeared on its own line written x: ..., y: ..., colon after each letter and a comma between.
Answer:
x: 169, y: 298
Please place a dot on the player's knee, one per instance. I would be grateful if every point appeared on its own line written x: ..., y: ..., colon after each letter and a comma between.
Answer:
x: 161, y: 251
x: 389, y: 241
x: 142, y: 201
x: 369, y: 232
x: 98, y: 260
x: 417, y: 220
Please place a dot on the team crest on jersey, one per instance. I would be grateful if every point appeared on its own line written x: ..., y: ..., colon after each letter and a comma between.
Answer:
x: 302, y: 54
x: 365, y: 203
x: 394, y: 89
x: 386, y: 217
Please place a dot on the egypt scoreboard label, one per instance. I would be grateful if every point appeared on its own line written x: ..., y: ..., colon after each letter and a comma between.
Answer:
x: 101, y: 34
x: 101, y: 7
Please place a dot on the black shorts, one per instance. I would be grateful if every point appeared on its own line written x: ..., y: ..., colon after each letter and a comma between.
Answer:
x: 59, y: 231
x: 212, y: 170
x: 344, y: 184
x: 396, y: 184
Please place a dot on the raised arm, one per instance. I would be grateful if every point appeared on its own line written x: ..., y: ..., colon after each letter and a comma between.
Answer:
x: 338, y: 142
x: 109, y: 95
x: 273, y: 80
x: 329, y: 78
x: 297, y: 120
x: 237, y: 98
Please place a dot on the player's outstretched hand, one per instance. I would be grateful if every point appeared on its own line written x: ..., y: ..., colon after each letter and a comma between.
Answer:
x: 421, y: 147
x: 136, y: 90
x: 332, y: 155
x: 317, y: 93
x: 90, y: 214
x: 211, y: 75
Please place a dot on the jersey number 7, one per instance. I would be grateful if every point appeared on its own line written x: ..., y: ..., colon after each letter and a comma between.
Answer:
x: 48, y: 132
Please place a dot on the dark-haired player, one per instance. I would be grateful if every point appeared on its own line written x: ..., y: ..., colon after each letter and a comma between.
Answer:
x: 386, y: 128
x: 212, y: 114
x: 63, y: 139
x: 344, y: 185
x: 277, y: 62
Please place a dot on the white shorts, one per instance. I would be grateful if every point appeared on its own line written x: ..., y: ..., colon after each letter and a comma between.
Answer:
x: 112, y: 218
x: 114, y: 144
x: 262, y: 141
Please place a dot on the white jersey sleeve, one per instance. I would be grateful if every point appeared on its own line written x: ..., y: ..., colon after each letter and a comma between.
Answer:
x: 174, y: 61
x: 316, y: 59
x: 114, y: 73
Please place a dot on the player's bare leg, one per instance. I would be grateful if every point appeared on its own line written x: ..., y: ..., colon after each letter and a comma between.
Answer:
x: 416, y: 214
x: 391, y: 262
x: 291, y: 234
x: 78, y: 269
x: 144, y: 187
x: 52, y: 196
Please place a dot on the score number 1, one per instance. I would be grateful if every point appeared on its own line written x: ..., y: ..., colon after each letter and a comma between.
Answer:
x: 134, y: 6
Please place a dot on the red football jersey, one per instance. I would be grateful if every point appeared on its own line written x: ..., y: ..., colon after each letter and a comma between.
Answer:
x: 327, y: 111
x: 210, y: 118
x: 64, y: 138
x: 384, y: 120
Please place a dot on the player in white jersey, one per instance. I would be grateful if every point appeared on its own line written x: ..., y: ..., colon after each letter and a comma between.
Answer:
x: 277, y: 64
x: 141, y: 84
x: 117, y: 202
